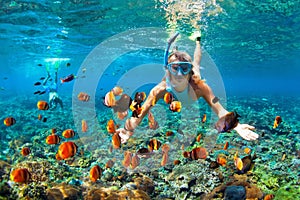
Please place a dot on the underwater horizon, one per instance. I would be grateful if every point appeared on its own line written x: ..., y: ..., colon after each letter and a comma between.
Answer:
x: 250, y: 59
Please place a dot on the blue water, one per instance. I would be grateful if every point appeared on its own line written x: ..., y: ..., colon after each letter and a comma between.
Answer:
x: 251, y: 53
x: 255, y: 45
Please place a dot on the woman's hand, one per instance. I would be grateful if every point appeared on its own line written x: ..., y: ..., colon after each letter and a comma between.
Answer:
x: 124, y: 135
x: 245, y: 131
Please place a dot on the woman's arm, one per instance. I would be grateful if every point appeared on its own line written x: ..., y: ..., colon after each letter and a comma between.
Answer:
x: 197, y: 58
x: 244, y: 130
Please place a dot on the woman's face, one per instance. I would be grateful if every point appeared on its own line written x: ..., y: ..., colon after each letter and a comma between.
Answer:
x: 178, y: 79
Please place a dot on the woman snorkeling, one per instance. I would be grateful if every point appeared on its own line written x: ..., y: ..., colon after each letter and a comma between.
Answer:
x: 182, y: 74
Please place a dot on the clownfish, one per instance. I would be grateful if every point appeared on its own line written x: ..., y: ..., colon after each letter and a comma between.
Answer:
x: 82, y: 96
x: 42, y: 105
x: 154, y: 144
x: 175, y: 106
x: 277, y: 121
x: 25, y: 151
x: 66, y: 150
x: 67, y: 78
x: 52, y: 139
x: 20, y: 175
x: 68, y: 133
x: 95, y: 173
x: 168, y: 98
x: 9, y: 121
x: 109, y: 99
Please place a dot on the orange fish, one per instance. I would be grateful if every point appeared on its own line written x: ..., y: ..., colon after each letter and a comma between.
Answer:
x: 221, y: 160
x: 68, y: 133
x: 247, y: 150
x: 52, y: 139
x: 151, y: 121
x: 82, y: 96
x: 203, y: 118
x: 25, y: 151
x: 238, y: 162
x: 226, y: 146
x: 84, y: 126
x: 165, y: 148
x: 175, y: 106
x: 110, y: 163
x: 110, y: 99
x: 198, y: 138
x: 196, y: 153
x: 9, y: 121
x: 169, y: 133
x: 168, y: 98
x: 66, y: 150
x: 116, y: 141
x: 127, y: 159
x: 42, y: 105
x: 117, y: 91
x: 95, y: 173
x: 269, y: 197
x: 111, y: 127
x: 176, y: 162
x: 135, y: 161
x: 164, y: 159
x: 20, y: 175
x: 136, y: 109
x: 53, y: 130
x: 154, y: 144
x: 277, y: 121
x: 40, y: 116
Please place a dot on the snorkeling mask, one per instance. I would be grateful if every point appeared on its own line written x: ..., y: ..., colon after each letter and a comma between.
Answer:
x: 183, y: 67
x: 175, y: 67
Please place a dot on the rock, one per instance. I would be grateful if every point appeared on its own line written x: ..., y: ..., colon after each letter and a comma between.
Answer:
x: 63, y: 191
x: 108, y: 194
x: 235, y: 193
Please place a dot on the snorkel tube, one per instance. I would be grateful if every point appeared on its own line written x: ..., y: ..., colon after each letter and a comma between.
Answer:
x: 170, y: 41
x: 166, y: 56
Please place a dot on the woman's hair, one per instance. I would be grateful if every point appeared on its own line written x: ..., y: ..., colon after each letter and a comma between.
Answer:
x: 181, y: 56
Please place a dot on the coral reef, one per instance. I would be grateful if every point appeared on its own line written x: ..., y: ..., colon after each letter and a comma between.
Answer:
x: 64, y: 191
